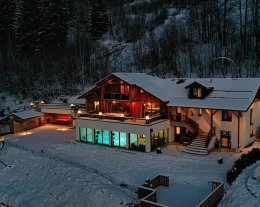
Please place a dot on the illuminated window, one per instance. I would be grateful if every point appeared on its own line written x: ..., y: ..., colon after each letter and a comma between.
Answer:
x: 199, y: 112
x: 96, y: 105
x: 191, y: 111
x: 251, y: 116
x: 199, y: 92
x: 178, y: 110
x: 226, y: 115
x: 178, y: 130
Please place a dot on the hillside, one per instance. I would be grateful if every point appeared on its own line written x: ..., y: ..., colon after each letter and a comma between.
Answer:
x: 53, y: 52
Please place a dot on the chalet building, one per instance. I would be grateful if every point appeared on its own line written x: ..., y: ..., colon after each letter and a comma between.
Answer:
x: 137, y: 111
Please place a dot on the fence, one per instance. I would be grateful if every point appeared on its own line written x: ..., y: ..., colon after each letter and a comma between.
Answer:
x: 45, y: 154
x: 149, y: 195
x: 215, y: 196
x: 5, y: 129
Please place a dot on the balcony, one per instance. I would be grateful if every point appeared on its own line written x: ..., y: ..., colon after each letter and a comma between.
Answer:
x: 116, y: 96
x: 121, y: 118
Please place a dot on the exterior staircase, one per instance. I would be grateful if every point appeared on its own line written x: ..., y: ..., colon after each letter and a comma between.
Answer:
x: 198, y: 145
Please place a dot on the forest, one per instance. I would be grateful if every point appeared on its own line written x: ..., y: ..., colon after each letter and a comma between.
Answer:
x: 50, y: 48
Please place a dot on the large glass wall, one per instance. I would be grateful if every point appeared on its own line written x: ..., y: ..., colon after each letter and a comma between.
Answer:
x: 105, y: 137
x: 158, y: 139
x: 85, y: 134
x: 89, y: 135
x: 119, y: 139
x: 137, y: 142
x: 101, y: 137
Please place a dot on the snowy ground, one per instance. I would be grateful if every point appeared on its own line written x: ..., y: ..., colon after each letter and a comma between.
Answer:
x: 190, y: 175
x: 28, y: 180
x: 245, y: 191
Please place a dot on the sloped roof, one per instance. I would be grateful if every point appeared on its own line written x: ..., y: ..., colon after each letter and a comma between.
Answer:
x: 227, y: 93
x: 27, y: 114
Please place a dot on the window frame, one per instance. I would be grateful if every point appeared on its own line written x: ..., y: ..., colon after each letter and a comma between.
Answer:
x: 228, y: 118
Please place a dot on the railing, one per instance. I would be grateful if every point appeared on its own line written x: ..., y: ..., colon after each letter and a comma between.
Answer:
x: 215, y: 196
x: 211, y: 133
x: 187, y: 120
x: 116, y: 96
x: 124, y: 118
x: 148, y: 195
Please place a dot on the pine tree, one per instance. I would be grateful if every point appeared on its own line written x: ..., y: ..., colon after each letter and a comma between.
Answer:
x: 7, y: 19
x: 54, y: 25
x: 98, y: 21
x: 27, y: 31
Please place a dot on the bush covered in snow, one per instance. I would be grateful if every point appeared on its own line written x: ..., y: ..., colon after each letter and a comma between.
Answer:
x: 239, y: 165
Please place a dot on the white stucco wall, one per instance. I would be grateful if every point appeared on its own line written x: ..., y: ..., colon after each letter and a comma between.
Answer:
x: 245, y: 127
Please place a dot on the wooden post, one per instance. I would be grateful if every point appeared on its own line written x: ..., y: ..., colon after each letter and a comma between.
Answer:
x: 211, y: 122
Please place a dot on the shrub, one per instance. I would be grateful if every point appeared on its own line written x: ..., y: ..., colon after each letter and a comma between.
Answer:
x: 242, y: 163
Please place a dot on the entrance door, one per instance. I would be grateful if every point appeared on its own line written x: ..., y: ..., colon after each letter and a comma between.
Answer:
x: 179, y: 133
x: 226, y: 139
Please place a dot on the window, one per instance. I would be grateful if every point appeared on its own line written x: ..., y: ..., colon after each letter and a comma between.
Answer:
x: 82, y: 134
x: 119, y: 139
x: 137, y: 142
x: 197, y: 92
x: 178, y: 130
x: 178, y: 110
x: 85, y: 134
x: 252, y: 134
x: 101, y: 137
x: 251, y: 116
x: 89, y: 135
x: 96, y: 105
x: 199, y: 112
x: 225, y: 139
x: 191, y: 111
x: 226, y: 115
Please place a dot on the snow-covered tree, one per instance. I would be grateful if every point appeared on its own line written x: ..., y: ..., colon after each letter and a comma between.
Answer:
x: 98, y: 21
x: 7, y: 18
x: 27, y: 31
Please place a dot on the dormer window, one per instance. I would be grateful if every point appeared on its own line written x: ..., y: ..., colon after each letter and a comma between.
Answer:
x: 197, y: 92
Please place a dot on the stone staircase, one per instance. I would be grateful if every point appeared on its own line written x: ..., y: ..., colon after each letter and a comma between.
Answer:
x: 198, y: 145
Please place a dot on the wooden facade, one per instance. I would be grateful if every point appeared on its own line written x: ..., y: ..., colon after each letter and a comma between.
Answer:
x: 117, y: 96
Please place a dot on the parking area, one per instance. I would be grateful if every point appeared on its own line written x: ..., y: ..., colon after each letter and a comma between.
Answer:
x: 43, y: 137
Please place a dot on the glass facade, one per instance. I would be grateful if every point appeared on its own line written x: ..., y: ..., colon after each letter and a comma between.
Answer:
x: 119, y: 139
x: 101, y: 137
x: 137, y: 142
x: 158, y: 139
x: 89, y: 135
x: 85, y: 134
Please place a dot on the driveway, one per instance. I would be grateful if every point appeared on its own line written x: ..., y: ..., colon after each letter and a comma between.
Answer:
x: 43, y: 137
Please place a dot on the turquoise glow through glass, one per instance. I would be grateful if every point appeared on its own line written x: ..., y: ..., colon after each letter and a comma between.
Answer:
x: 105, y: 137
x: 89, y: 135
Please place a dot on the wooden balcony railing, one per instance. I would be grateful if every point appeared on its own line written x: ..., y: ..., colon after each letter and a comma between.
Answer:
x: 124, y: 118
x: 116, y: 96
x: 186, y: 119
x: 211, y: 133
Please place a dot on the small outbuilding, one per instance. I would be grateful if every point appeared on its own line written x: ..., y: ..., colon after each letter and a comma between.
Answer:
x: 25, y: 120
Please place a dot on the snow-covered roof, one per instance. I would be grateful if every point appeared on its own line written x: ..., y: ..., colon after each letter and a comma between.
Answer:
x: 27, y: 114
x: 227, y: 93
